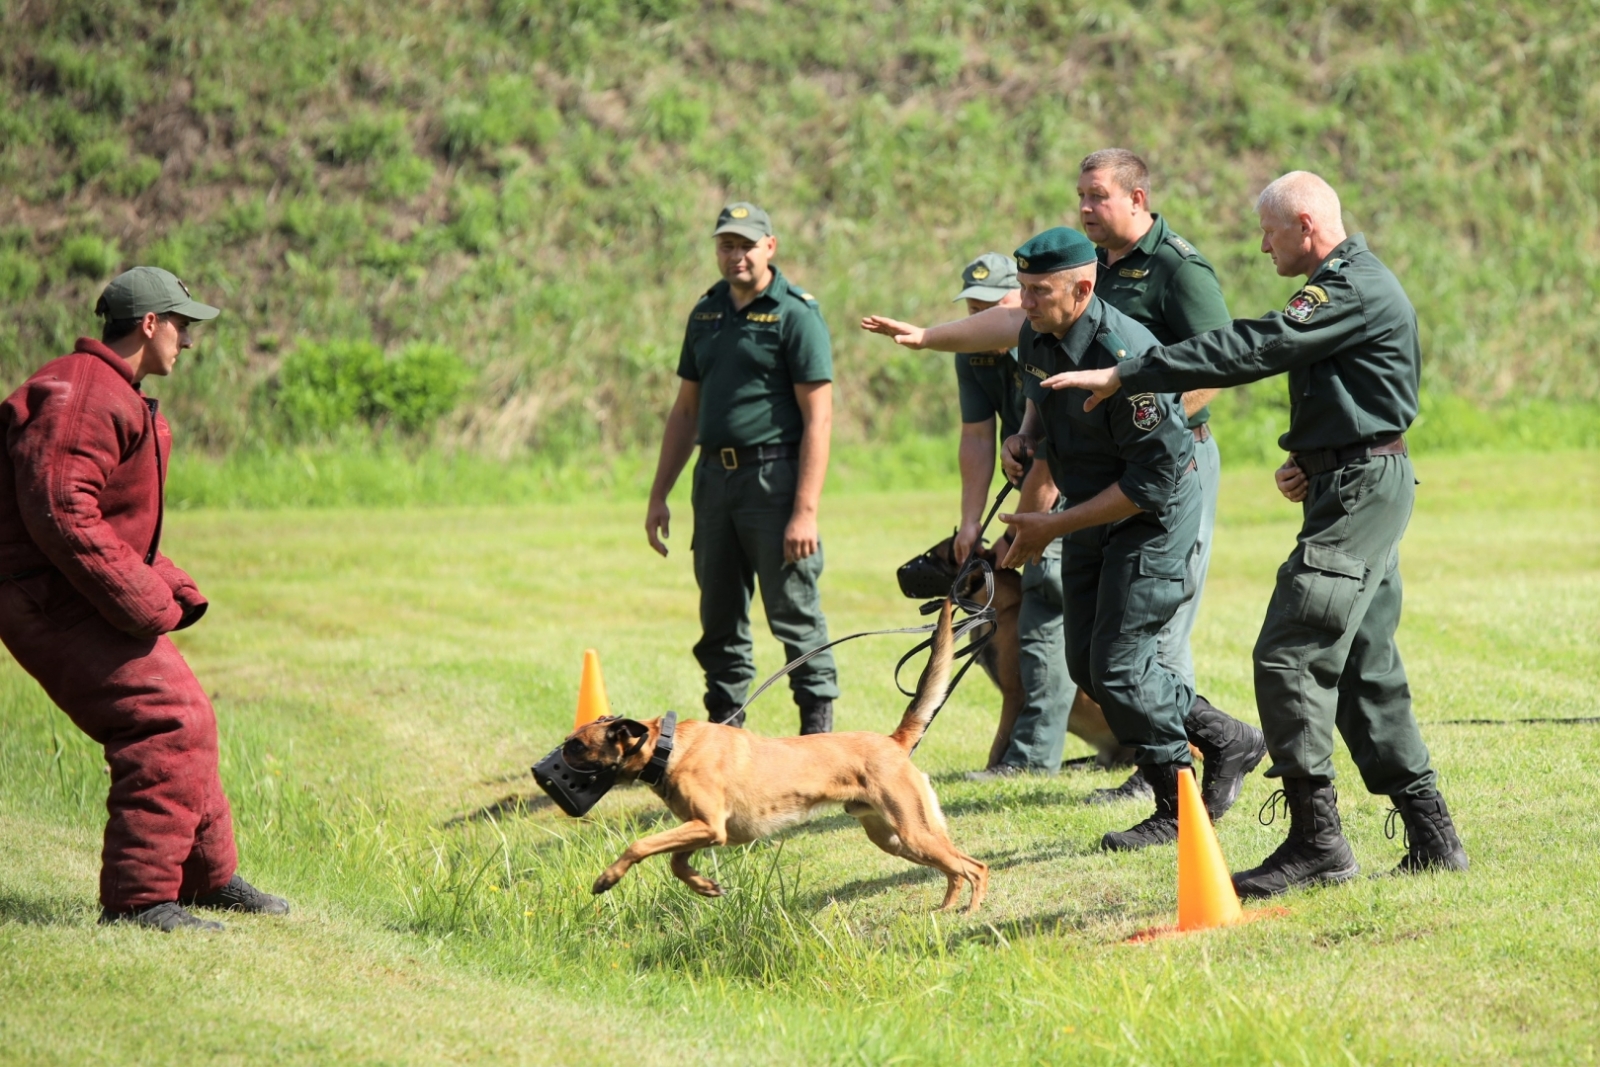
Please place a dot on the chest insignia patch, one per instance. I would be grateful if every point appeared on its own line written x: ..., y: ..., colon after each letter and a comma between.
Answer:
x: 1305, y: 303
x: 1146, y: 412
x: 1037, y: 372
x: 1132, y: 272
x: 762, y: 316
x: 980, y: 361
x: 707, y: 316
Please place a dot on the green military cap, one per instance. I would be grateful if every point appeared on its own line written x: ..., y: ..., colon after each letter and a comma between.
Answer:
x: 744, y: 219
x: 1059, y: 248
x: 989, y: 277
x: 137, y: 292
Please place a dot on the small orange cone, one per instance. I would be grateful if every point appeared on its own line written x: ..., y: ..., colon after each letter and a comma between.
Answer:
x: 1206, y: 897
x: 592, y: 702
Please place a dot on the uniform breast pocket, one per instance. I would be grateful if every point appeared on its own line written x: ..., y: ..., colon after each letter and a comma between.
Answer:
x: 1155, y: 593
x: 1322, y: 588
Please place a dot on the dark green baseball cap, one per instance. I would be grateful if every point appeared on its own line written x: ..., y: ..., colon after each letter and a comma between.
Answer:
x: 744, y: 219
x: 137, y: 292
x: 989, y: 277
x: 1059, y: 248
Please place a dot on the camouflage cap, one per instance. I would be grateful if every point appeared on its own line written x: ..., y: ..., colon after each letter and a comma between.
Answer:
x: 1058, y: 248
x: 137, y: 292
x: 744, y: 219
x: 989, y: 277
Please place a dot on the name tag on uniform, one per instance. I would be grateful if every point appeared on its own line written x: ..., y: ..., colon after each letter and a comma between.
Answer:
x: 1130, y: 272
x: 707, y: 316
x: 762, y: 316
x: 980, y: 361
x: 1037, y: 372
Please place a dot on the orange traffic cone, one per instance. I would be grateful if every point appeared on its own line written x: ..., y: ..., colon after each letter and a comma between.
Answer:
x: 1206, y: 897
x: 592, y: 702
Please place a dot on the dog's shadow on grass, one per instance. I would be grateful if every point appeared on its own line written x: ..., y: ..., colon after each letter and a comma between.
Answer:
x: 866, y: 887
x: 39, y: 911
x: 506, y: 807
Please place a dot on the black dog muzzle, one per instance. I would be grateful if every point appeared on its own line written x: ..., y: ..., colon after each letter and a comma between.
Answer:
x: 926, y: 576
x: 575, y: 790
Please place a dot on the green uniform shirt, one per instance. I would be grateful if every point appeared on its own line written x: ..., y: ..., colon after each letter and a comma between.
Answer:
x: 1167, y: 287
x: 1348, y: 339
x: 749, y: 361
x: 1136, y: 440
x: 990, y: 385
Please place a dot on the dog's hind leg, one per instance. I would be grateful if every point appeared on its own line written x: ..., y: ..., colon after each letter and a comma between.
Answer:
x: 923, y: 839
x: 686, y: 838
x: 693, y: 878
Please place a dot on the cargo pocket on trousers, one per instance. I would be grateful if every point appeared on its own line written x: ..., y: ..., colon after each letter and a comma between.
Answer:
x: 1323, y: 591
x: 1154, y: 595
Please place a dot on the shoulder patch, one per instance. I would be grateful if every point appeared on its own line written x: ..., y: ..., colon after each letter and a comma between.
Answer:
x: 1304, y: 304
x: 1180, y: 246
x: 1146, y: 411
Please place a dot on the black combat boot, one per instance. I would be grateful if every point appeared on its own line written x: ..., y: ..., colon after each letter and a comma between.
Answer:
x: 1160, y: 827
x: 1231, y: 749
x: 816, y: 716
x: 240, y: 895
x: 1135, y: 788
x: 1431, y: 841
x: 166, y: 917
x: 723, y: 713
x: 1316, y: 851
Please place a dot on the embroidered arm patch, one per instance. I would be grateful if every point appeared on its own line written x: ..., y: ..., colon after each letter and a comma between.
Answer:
x: 1146, y: 412
x: 1305, y: 303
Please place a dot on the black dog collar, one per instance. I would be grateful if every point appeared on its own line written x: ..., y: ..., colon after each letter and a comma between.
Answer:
x: 657, y: 767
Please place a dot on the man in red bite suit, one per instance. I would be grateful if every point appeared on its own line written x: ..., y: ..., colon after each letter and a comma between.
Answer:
x: 86, y: 598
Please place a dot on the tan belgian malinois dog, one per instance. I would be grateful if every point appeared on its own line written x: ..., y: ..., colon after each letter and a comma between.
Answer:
x: 731, y: 787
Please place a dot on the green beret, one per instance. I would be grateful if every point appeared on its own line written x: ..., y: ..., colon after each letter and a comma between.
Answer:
x: 1055, y: 249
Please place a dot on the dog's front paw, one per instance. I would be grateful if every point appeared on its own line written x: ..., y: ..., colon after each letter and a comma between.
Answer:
x: 705, y: 887
x: 605, y: 882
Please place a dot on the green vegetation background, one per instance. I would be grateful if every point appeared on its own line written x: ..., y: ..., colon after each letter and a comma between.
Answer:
x: 528, y: 185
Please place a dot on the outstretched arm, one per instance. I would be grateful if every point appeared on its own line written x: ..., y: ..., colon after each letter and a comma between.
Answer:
x: 987, y: 331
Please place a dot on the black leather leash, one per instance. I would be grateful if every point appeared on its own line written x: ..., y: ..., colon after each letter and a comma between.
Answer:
x: 978, y: 615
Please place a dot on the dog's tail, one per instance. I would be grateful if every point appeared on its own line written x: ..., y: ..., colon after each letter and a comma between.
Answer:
x: 931, y: 687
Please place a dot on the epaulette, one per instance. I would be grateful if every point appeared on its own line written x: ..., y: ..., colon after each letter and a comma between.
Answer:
x: 1113, y: 344
x: 1333, y: 266
x: 1180, y: 246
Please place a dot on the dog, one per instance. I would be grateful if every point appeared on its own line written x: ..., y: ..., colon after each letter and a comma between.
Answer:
x: 1001, y: 660
x: 731, y: 787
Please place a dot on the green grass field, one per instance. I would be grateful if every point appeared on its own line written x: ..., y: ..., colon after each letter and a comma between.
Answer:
x: 385, y: 678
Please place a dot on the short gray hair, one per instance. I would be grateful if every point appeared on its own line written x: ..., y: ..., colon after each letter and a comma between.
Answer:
x: 1301, y: 192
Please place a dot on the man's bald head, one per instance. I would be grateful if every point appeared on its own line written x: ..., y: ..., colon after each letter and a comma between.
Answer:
x: 1301, y: 222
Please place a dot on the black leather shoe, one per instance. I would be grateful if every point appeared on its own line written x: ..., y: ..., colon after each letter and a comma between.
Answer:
x: 1160, y: 827
x: 166, y: 917
x: 816, y: 717
x: 1431, y: 841
x: 1231, y: 750
x: 240, y: 895
x: 1315, y: 852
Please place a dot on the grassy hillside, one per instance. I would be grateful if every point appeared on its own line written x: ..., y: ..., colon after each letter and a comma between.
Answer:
x: 530, y: 184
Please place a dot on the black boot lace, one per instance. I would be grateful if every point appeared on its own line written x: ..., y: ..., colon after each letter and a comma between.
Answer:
x: 1395, y: 816
x: 1269, y: 810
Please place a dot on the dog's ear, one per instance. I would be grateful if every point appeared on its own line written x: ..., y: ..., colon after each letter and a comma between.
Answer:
x: 623, y: 731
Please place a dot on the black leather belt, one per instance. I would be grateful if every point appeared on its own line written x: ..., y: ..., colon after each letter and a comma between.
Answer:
x: 731, y: 459
x: 1323, y: 460
x: 1202, y: 433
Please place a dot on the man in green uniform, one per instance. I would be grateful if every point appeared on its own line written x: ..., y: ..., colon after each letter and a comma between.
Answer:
x: 756, y: 374
x: 1156, y: 278
x: 1131, y: 516
x: 990, y: 386
x: 1326, y: 654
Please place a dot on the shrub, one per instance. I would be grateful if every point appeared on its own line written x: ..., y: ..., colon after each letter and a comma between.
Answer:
x: 19, y: 274
x: 676, y: 118
x: 133, y: 177
x: 404, y: 176
x: 89, y: 256
x: 324, y: 388
x: 100, y: 157
x: 367, y: 137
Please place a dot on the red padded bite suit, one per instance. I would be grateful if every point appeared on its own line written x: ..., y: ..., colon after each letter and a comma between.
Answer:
x: 85, y: 599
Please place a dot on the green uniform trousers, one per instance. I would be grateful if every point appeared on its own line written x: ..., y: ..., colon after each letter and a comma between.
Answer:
x: 1040, y: 731
x: 1120, y: 585
x: 1326, y: 656
x: 1173, y: 642
x: 739, y: 519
